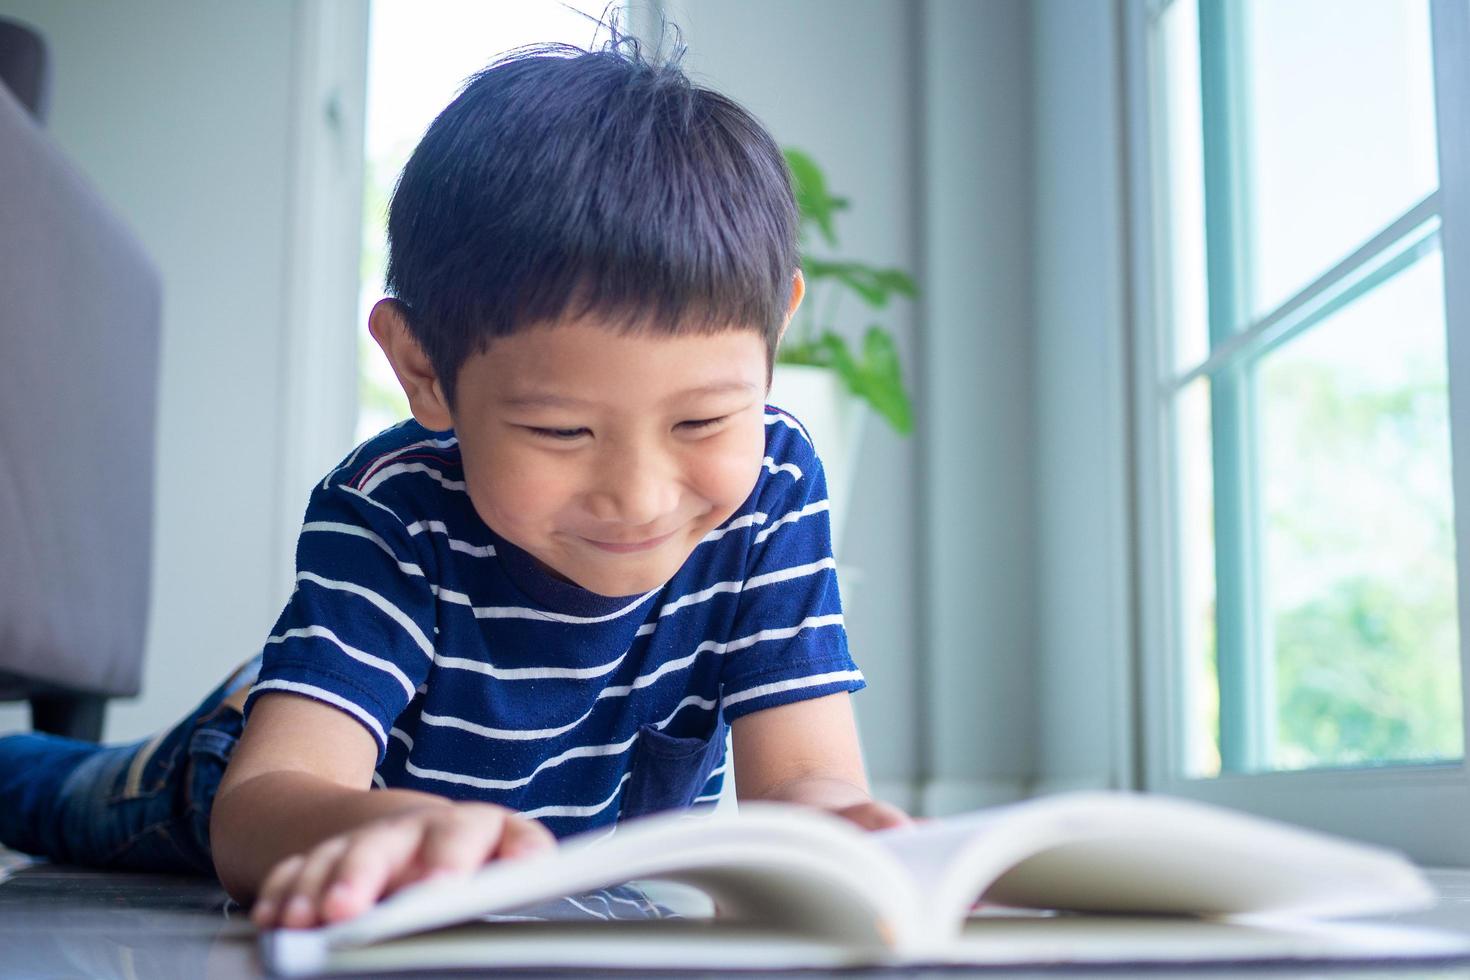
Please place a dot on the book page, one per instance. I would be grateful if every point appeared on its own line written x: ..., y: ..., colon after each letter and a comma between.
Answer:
x: 1121, y: 852
x: 782, y: 868
x: 1059, y: 939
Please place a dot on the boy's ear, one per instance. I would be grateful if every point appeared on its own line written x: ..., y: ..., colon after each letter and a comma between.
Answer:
x: 798, y: 291
x: 415, y: 373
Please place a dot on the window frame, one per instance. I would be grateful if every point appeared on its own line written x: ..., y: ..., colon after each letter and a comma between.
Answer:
x: 1410, y: 807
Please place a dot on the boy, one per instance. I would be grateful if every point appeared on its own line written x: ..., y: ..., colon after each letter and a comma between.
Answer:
x: 532, y: 609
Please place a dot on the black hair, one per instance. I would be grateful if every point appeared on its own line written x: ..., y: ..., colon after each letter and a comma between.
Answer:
x: 566, y: 183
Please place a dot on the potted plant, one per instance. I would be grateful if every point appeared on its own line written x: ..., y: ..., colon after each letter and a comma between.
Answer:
x: 819, y: 378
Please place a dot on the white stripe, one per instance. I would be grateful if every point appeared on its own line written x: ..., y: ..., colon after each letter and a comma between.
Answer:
x: 815, y: 680
x: 397, y: 615
x: 787, y: 421
x: 622, y: 690
x: 778, y: 633
x: 362, y: 532
x: 481, y: 782
x: 398, y: 469
x: 350, y: 460
x: 816, y: 507
x: 694, y: 598
x: 455, y: 544
x: 360, y: 447
x: 577, y: 752
x: 786, y: 574
x: 522, y: 612
x: 378, y: 504
x: 509, y: 734
x: 591, y: 810
x: 529, y: 673
x: 755, y: 582
x: 712, y: 798
x: 584, y: 908
x: 362, y: 656
x: 771, y: 465
x: 421, y: 444
x: 402, y: 736
x: 378, y: 781
x: 329, y: 697
x: 756, y: 517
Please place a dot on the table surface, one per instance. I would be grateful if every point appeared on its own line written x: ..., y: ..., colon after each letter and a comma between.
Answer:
x: 70, y: 922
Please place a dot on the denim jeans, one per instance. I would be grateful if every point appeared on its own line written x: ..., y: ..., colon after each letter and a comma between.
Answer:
x: 140, y: 806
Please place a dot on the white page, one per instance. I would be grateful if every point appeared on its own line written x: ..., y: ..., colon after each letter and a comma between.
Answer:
x: 1061, y: 939
x: 1123, y: 852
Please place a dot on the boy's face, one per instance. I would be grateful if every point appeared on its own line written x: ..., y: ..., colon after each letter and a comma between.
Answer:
x: 614, y: 483
x: 606, y: 457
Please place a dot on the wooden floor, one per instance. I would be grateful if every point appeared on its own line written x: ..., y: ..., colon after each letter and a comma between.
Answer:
x: 71, y: 922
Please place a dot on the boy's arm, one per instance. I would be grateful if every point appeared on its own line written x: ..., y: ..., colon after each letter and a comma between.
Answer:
x: 807, y: 752
x: 294, y: 816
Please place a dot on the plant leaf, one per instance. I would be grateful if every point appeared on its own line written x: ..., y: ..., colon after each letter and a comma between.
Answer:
x: 809, y: 352
x: 875, y: 379
x: 883, y: 381
x: 872, y: 284
x: 813, y: 200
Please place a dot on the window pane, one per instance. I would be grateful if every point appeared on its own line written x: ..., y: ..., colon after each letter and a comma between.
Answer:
x: 1195, y: 496
x: 1358, y: 582
x: 1182, y: 209
x: 1339, y: 111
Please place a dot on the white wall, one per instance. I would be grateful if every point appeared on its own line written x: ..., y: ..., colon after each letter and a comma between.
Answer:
x: 979, y: 514
x: 1084, y: 630
x: 179, y: 113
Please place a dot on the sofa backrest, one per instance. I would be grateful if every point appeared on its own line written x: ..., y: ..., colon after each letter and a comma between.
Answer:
x: 79, y: 342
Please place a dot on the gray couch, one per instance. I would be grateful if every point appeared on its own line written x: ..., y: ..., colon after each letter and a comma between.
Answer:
x: 79, y: 339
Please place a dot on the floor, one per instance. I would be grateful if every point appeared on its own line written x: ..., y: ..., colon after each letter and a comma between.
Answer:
x: 58, y: 922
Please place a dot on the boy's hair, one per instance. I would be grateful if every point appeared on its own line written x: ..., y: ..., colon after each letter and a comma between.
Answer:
x: 562, y: 183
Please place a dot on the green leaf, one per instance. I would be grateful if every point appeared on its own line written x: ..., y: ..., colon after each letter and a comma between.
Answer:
x: 883, y: 383
x: 816, y: 205
x: 873, y: 285
x: 808, y: 352
x: 875, y: 379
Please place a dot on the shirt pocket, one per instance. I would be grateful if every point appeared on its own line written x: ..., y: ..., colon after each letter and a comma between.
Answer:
x: 668, y: 772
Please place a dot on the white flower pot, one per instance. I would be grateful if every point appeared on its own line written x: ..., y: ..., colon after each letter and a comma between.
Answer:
x: 835, y: 418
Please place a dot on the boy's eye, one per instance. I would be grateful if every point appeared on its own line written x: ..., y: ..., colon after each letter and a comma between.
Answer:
x: 702, y: 423
x: 567, y: 434
x: 558, y: 433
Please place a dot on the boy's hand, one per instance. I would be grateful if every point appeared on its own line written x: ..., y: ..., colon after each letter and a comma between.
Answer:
x: 345, y: 875
x: 874, y: 815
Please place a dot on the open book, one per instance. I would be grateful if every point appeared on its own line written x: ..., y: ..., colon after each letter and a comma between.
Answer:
x: 796, y: 888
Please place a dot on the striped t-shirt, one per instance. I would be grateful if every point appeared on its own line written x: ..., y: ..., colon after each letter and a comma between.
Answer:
x: 483, y: 677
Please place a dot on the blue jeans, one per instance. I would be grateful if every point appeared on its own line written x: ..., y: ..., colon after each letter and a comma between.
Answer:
x: 140, y: 806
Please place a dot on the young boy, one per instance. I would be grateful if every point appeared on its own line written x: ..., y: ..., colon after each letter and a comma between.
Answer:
x: 532, y: 609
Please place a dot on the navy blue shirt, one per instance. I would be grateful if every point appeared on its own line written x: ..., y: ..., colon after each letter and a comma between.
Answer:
x: 483, y: 677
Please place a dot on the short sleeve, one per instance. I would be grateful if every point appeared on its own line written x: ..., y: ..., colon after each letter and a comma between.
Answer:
x: 357, y: 632
x: 789, y: 642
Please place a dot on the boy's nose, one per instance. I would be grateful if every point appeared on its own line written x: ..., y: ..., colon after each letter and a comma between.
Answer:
x: 636, y: 496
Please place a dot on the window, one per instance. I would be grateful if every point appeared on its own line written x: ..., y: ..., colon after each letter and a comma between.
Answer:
x: 1301, y: 247
x: 420, y: 52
